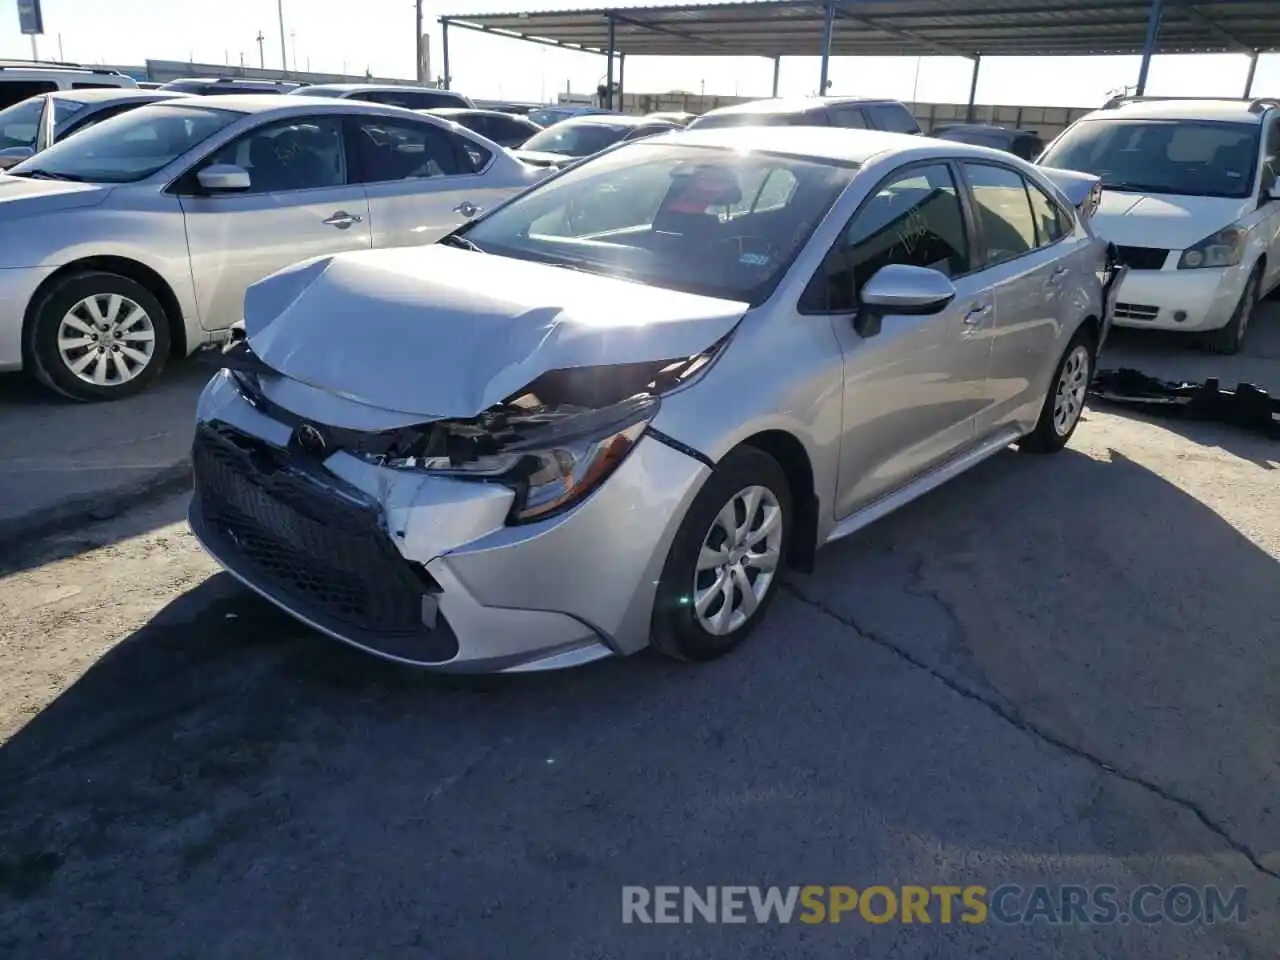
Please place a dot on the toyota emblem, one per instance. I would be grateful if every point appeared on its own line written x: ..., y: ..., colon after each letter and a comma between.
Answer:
x: 311, y: 439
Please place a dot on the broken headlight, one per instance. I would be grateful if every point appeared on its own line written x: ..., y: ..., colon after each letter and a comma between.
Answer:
x: 557, y: 461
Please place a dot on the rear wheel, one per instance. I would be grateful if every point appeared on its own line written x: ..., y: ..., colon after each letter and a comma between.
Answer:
x: 1230, y: 339
x: 98, y: 336
x: 1065, y: 401
x: 723, y: 568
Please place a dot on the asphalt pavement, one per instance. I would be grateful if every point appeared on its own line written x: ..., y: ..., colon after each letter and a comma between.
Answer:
x: 1052, y: 671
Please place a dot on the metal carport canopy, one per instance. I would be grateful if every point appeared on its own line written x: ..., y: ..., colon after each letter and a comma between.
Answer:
x: 968, y: 28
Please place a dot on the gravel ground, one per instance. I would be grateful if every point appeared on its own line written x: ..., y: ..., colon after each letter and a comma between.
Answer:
x: 1052, y: 671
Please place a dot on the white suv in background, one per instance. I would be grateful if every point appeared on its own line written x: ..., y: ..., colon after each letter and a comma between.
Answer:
x: 1190, y: 197
x: 20, y: 79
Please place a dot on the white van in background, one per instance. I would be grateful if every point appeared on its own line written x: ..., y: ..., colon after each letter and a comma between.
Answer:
x: 20, y: 79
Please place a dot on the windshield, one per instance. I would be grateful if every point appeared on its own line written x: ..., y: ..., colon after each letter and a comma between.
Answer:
x: 128, y: 147
x: 714, y: 222
x: 579, y: 139
x: 20, y: 124
x: 1203, y: 158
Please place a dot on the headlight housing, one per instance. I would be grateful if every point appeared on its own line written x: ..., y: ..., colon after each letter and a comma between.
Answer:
x: 1221, y: 249
x: 558, y: 465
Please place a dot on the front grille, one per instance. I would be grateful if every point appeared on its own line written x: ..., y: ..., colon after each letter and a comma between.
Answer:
x: 314, y: 543
x: 1135, y: 311
x: 1142, y: 258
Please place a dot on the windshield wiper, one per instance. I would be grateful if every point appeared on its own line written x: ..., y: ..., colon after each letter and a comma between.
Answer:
x: 1129, y: 187
x: 461, y: 242
x: 46, y: 175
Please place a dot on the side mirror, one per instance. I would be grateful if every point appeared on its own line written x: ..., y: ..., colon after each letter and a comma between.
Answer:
x: 12, y: 156
x: 223, y: 178
x: 899, y: 288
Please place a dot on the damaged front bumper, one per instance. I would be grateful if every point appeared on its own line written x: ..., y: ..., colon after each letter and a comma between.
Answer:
x: 426, y: 570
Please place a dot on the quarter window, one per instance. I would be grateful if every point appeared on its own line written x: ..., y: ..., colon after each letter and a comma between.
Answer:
x: 292, y: 155
x: 1004, y: 211
x: 892, y: 117
x: 914, y: 218
x: 851, y: 117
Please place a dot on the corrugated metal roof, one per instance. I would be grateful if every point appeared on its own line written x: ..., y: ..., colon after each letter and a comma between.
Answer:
x: 770, y: 28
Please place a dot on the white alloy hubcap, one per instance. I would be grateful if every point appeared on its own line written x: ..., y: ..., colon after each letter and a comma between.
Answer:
x: 1073, y: 384
x: 738, y: 560
x: 106, y: 339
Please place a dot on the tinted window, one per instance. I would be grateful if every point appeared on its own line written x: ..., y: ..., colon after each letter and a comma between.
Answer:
x: 290, y: 155
x: 851, y: 117
x: 1048, y: 218
x: 20, y: 124
x: 509, y: 131
x: 914, y: 218
x: 412, y: 99
x: 893, y: 117
x: 391, y: 150
x: 15, y: 91
x: 132, y: 146
x: 670, y: 216
x: 1027, y: 147
x: 1004, y: 211
x: 92, y: 86
x: 1191, y: 157
x: 577, y: 138
x: 1271, y: 156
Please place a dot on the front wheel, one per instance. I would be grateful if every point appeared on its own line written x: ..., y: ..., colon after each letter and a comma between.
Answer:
x: 1229, y: 339
x: 98, y: 336
x: 1065, y: 401
x: 723, y: 568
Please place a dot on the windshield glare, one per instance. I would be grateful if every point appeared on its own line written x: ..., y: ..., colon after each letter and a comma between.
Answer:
x: 576, y: 139
x: 1205, y: 158
x: 20, y: 123
x: 715, y: 222
x: 131, y: 146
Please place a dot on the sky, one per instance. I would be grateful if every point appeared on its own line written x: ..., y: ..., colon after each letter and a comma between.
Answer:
x: 378, y: 35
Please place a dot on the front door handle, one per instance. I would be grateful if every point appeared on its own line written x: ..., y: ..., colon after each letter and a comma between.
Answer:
x: 1058, y: 276
x: 975, y: 314
x: 343, y: 220
x: 468, y: 209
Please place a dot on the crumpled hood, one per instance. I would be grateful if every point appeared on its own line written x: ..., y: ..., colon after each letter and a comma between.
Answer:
x: 27, y: 196
x: 441, y: 332
x: 1162, y: 220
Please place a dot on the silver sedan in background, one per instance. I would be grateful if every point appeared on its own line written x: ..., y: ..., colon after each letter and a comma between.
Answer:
x: 134, y: 241
x: 607, y: 413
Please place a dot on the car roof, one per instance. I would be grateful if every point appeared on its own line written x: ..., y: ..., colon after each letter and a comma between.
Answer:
x: 99, y: 94
x: 826, y: 143
x: 776, y: 105
x: 266, y: 102
x: 364, y: 87
x: 472, y: 112
x: 1236, y: 111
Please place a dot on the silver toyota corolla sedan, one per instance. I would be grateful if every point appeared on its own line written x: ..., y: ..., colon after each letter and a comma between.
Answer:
x: 134, y: 240
x: 607, y: 413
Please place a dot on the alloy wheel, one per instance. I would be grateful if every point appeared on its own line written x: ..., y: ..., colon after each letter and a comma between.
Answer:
x: 106, y: 339
x: 738, y: 560
x: 1073, y: 384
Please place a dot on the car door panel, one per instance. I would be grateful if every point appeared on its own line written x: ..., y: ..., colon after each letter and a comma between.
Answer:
x: 237, y: 239
x: 418, y: 180
x: 912, y: 390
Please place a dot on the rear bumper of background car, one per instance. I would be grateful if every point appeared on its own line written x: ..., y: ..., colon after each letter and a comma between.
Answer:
x: 424, y: 570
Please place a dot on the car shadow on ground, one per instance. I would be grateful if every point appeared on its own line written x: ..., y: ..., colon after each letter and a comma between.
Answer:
x: 1056, y: 663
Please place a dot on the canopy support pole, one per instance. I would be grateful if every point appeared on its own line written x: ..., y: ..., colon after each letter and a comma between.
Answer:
x: 1149, y: 45
x: 973, y: 88
x: 828, y: 28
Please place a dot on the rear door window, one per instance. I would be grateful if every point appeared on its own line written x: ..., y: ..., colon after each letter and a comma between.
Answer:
x: 850, y: 117
x: 893, y: 117
x: 387, y: 150
x: 1004, y: 211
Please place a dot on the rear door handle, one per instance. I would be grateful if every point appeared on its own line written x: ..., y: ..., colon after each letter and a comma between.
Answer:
x: 342, y: 220
x: 975, y: 314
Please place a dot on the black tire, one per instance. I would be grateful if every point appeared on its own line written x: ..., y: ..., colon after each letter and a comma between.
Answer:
x: 1229, y: 339
x: 1048, y: 435
x: 47, y: 314
x: 677, y: 630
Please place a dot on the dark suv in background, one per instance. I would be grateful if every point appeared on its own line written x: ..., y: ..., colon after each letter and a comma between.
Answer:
x: 857, y: 113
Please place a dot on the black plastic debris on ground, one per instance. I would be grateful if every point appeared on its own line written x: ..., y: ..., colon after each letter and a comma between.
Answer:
x: 1247, y: 406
